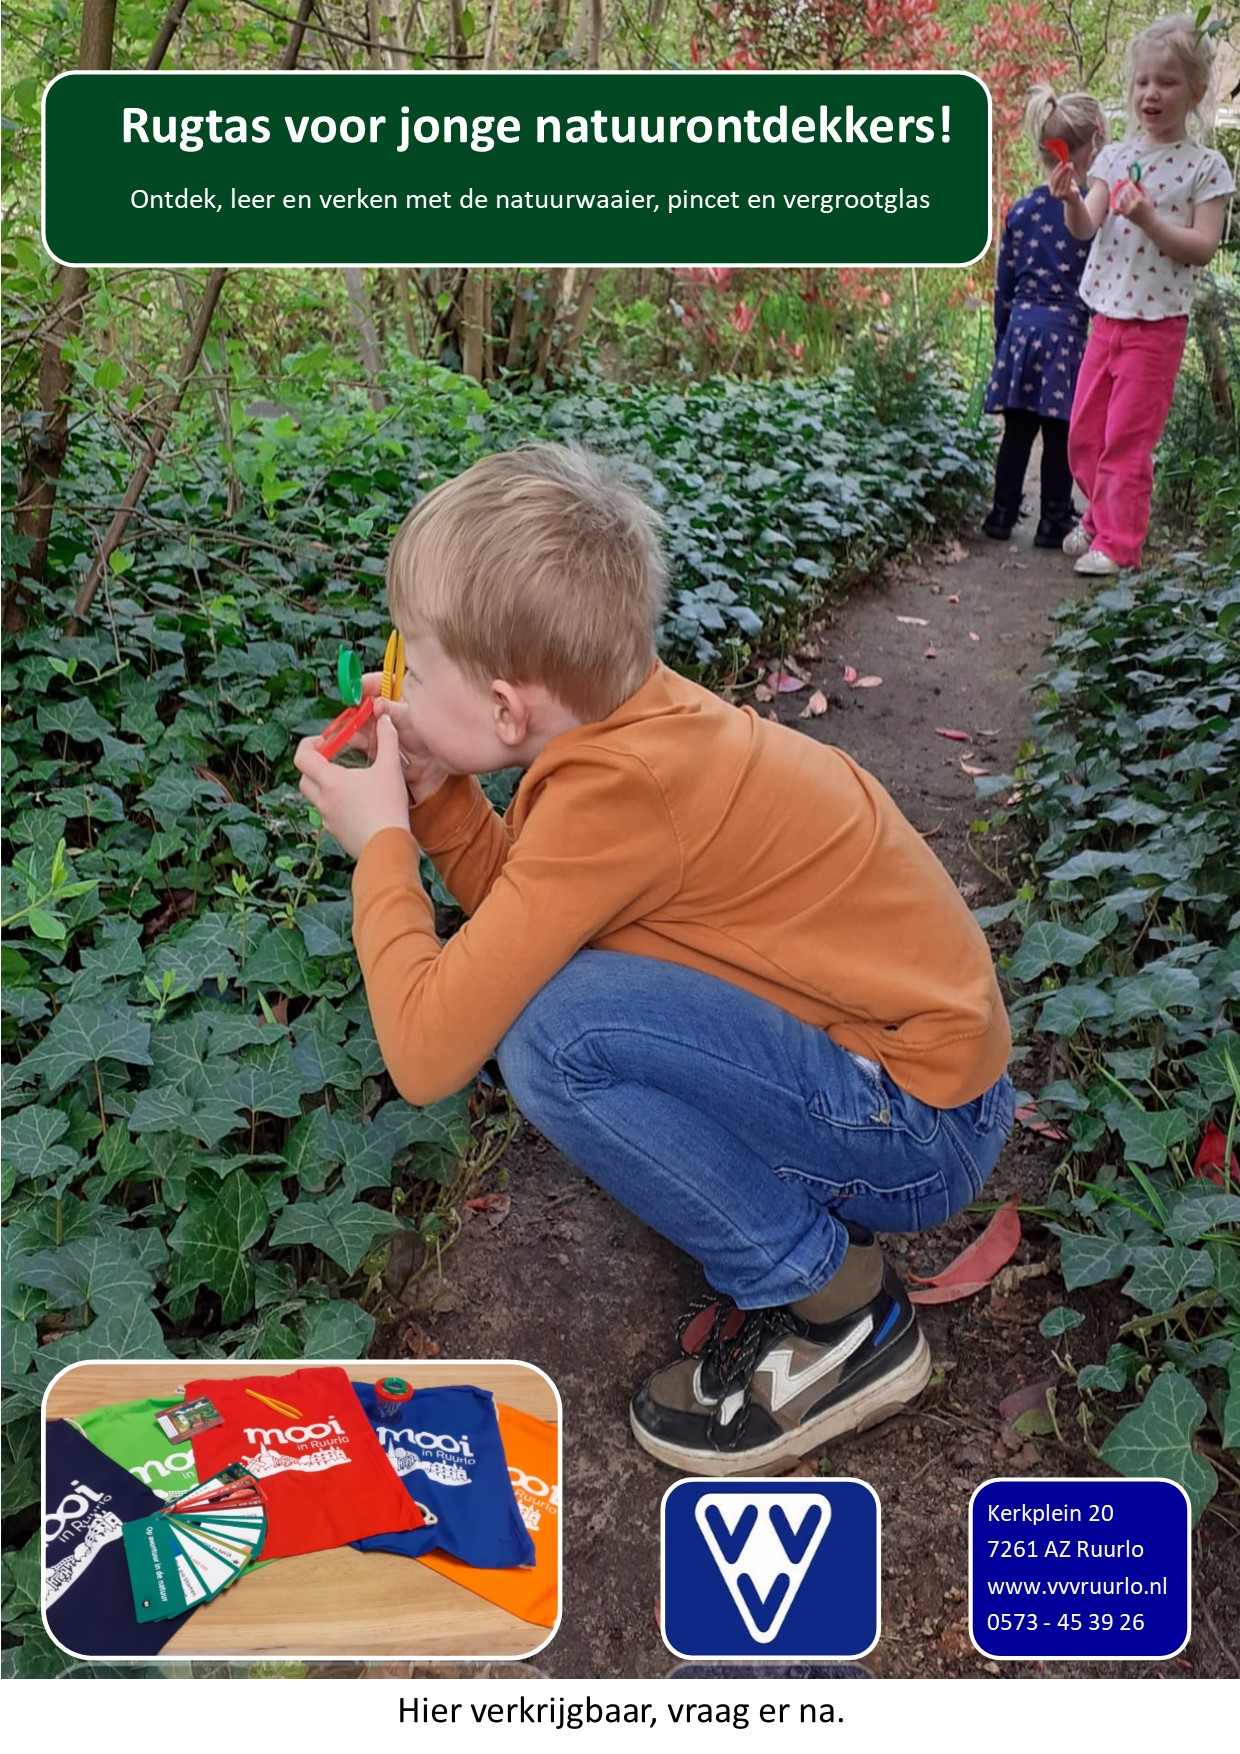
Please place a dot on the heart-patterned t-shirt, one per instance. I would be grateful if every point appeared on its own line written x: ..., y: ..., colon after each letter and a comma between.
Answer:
x: 1127, y: 275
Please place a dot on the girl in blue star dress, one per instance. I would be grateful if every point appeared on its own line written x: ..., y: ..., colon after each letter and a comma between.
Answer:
x: 1041, y: 323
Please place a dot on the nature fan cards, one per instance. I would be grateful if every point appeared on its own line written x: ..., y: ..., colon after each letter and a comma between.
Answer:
x: 197, y: 1545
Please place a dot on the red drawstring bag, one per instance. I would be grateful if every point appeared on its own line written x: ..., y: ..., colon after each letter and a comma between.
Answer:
x: 323, y: 1471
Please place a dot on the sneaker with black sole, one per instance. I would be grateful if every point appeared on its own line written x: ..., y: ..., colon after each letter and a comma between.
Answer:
x: 761, y: 1388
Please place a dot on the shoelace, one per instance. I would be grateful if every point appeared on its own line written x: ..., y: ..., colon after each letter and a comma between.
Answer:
x: 729, y: 1350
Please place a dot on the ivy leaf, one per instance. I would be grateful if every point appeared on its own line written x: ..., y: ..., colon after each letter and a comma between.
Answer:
x: 84, y: 1033
x: 76, y: 719
x: 1090, y: 863
x: 207, y: 951
x: 342, y: 1228
x: 1155, y: 1440
x: 1059, y: 1321
x: 20, y: 1581
x: 1066, y: 1010
x: 116, y: 956
x: 102, y: 1273
x: 268, y: 1083
x: 221, y: 1222
x: 281, y: 963
x: 233, y: 1029
x: 322, y: 1062
x: 1121, y: 1366
x: 1162, y: 1272
x: 1089, y: 1260
x: 337, y: 1330
x: 1194, y: 1214
x: 1046, y: 945
x: 1231, y: 1405
x: 325, y: 927
x: 176, y: 795
x: 1149, y: 1138
x: 30, y: 1143
x: 132, y: 1332
x: 1154, y: 993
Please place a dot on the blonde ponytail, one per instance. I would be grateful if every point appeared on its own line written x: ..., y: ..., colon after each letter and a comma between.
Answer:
x: 1076, y: 118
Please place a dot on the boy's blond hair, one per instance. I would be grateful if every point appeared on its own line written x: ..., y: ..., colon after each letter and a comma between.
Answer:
x: 538, y: 565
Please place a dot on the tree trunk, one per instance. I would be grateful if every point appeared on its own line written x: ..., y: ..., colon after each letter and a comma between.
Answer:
x: 490, y: 43
x: 457, y: 39
x: 368, y: 340
x: 167, y: 30
x: 559, y: 291
x: 473, y: 304
x: 404, y: 304
x: 1214, y: 354
x: 554, y: 24
x: 585, y: 304
x: 519, y: 328
x: 150, y: 456
x: 40, y: 474
x: 654, y: 26
x: 292, y: 48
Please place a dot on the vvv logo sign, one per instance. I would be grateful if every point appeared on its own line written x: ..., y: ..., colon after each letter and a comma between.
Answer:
x: 763, y: 1547
x: 773, y: 1568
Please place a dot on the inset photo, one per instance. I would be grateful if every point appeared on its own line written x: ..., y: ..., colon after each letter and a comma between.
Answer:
x: 284, y: 1508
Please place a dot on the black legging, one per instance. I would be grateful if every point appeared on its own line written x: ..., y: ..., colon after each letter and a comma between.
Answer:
x: 1020, y: 428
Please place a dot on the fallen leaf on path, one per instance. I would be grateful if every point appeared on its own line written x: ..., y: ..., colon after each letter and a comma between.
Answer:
x: 783, y: 682
x: 1025, y: 1401
x: 976, y: 638
x: 815, y: 706
x: 953, y: 599
x: 867, y: 682
x: 929, y: 833
x: 762, y: 692
x: 975, y: 1266
x: 929, y: 652
x: 977, y: 772
x: 1033, y: 1122
x: 952, y: 554
x: 494, y: 1207
x: 811, y: 653
x: 913, y: 620
x: 953, y: 736
x: 850, y: 675
x: 418, y: 1343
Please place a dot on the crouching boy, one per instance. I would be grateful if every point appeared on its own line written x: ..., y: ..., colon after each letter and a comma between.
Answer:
x: 719, y: 969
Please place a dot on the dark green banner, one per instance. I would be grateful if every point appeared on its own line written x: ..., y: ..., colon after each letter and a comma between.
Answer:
x: 502, y: 169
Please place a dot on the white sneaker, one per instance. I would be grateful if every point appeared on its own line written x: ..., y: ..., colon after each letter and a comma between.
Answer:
x: 1094, y: 564
x: 1077, y: 542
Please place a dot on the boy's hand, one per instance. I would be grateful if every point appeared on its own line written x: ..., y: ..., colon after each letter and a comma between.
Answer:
x: 423, y: 774
x: 356, y: 803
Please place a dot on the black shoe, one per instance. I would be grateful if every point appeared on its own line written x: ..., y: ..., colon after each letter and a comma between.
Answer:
x: 761, y: 1388
x: 998, y: 523
x: 1056, y: 522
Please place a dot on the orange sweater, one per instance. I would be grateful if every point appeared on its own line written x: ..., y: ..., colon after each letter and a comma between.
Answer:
x: 685, y: 829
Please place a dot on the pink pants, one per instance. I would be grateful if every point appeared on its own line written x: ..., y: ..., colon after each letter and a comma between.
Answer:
x: 1123, y: 397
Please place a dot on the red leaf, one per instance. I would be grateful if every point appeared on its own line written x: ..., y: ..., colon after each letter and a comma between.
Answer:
x: 930, y: 652
x: 1030, y: 1119
x: 1025, y: 1400
x: 850, y: 675
x: 868, y: 682
x: 1211, y: 1156
x: 496, y: 1207
x: 974, y: 1267
x: 953, y: 736
x: 815, y: 706
x: 953, y: 599
x: 782, y: 683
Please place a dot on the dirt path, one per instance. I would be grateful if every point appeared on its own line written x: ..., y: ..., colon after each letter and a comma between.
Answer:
x: 574, y: 1284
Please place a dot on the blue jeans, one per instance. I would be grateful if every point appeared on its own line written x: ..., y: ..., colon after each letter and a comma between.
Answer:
x: 738, y: 1132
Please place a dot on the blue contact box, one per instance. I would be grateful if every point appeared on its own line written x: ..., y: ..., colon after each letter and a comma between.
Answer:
x: 783, y: 1569
x: 1084, y: 1569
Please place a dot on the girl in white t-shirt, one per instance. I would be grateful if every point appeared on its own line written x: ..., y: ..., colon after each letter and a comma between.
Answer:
x: 1154, y: 208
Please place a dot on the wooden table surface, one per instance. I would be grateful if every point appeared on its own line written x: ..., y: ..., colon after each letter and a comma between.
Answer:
x: 337, y: 1603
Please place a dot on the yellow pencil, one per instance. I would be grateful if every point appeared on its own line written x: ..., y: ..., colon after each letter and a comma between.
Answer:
x: 279, y: 1406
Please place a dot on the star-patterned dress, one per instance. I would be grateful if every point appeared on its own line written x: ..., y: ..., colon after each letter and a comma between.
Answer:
x: 1128, y: 276
x: 1041, y: 322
